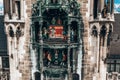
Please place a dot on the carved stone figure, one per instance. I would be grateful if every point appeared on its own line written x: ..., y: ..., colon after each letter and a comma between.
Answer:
x: 52, y: 32
x: 74, y: 8
x: 18, y: 32
x: 104, y: 11
x: 45, y: 33
x: 11, y: 32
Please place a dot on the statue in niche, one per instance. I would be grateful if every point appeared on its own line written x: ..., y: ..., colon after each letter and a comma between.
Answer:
x: 74, y: 7
x: 59, y: 21
x: 56, y: 62
x: 64, y: 35
x: 94, y: 32
x: 35, y: 10
x: 11, y: 33
x: 53, y: 21
x: 39, y: 36
x: 45, y: 33
x: 72, y: 35
x: 18, y: 32
x: 52, y: 32
x: 75, y: 36
x: 46, y: 58
x: 64, y: 59
x: 104, y: 11
x: 56, y: 54
x: 49, y: 58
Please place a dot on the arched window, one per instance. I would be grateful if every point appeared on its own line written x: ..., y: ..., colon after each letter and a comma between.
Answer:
x: 37, y: 75
x: 75, y: 76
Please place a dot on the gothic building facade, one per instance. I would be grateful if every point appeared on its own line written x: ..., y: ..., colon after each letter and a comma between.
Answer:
x: 58, y: 39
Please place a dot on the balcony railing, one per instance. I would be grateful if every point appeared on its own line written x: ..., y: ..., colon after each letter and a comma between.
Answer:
x: 4, y: 74
x: 113, y: 76
x: 109, y: 17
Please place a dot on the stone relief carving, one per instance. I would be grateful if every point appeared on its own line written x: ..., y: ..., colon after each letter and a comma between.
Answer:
x: 74, y: 7
x: 19, y: 32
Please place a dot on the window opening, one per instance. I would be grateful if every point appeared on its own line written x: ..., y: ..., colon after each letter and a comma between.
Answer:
x: 37, y: 75
x: 95, y: 8
x: 18, y: 9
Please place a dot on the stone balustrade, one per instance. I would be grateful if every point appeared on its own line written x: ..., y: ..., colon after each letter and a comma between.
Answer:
x: 113, y: 76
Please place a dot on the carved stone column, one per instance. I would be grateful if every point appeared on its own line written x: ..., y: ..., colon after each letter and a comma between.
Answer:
x: 69, y: 67
x: 98, y: 53
x: 74, y: 60
x: 79, y: 61
x: 33, y: 52
x: 68, y: 53
x: 33, y: 33
x: 41, y: 50
x: 40, y: 3
x: 41, y: 60
x: 102, y: 57
x: 69, y: 33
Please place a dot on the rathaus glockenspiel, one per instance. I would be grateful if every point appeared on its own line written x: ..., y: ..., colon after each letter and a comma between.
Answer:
x: 58, y: 39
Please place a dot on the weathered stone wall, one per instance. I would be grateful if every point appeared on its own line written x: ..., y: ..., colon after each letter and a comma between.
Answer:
x: 85, y: 27
x: 93, y: 64
x: 25, y: 64
x: 19, y: 54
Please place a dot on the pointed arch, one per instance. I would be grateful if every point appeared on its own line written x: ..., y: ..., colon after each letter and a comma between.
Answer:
x: 94, y: 31
x: 37, y: 75
x: 103, y: 31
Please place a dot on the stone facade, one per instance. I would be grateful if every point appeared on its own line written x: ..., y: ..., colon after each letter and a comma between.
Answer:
x: 96, y: 27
